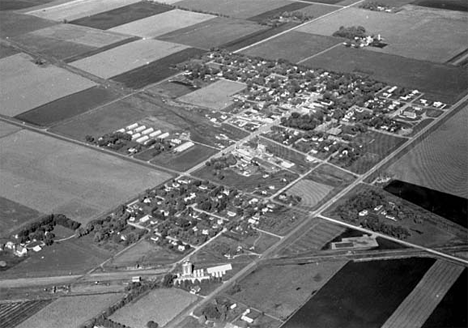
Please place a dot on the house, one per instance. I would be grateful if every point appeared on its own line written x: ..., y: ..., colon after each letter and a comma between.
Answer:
x: 136, y: 279
x: 195, y: 290
x: 245, y: 316
x: 20, y: 251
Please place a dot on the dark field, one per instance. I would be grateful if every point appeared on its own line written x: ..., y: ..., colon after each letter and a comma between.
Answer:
x: 6, y: 51
x: 451, y: 207
x: 68, y: 107
x: 186, y: 159
x: 213, y: 33
x: 293, y: 46
x: 13, y: 313
x: 13, y: 215
x: 451, y: 311
x: 122, y: 15
x: 171, y: 89
x: 20, y: 4
x: 95, y: 51
x: 12, y: 24
x: 157, y: 70
x: 328, y: 2
x: 459, y: 5
x: 447, y: 83
x: 268, y: 14
x: 362, y: 294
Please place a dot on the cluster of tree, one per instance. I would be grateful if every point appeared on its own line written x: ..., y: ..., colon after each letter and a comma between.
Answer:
x: 104, y: 322
x: 373, y: 223
x: 217, y: 310
x: 222, y: 162
x: 286, y: 16
x: 42, y: 229
x: 304, y: 122
x: 351, y: 32
x: 374, y: 6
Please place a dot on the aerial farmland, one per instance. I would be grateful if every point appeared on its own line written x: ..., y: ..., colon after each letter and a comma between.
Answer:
x: 233, y: 163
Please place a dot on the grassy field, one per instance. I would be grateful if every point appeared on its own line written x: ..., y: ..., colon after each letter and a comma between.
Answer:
x: 13, y: 215
x: 437, y: 36
x: 6, y: 51
x: 430, y: 291
x: 116, y: 61
x: 331, y: 176
x: 280, y: 290
x: 236, y: 9
x: 68, y: 107
x: 443, y: 82
x: 44, y: 84
x: 47, y: 175
x: 7, y: 129
x: 362, y: 294
x: 160, y: 24
x: 317, y: 9
x: 74, y: 10
x: 122, y: 15
x: 71, y: 311
x: 212, y: 33
x: 185, y: 160
x: 170, y: 89
x: 160, y: 305
x: 311, y: 192
x: 12, y: 24
x: 280, y: 223
x: 157, y: 70
x: 215, y: 96
x: 439, y: 161
x: 13, y: 313
x: 292, y: 46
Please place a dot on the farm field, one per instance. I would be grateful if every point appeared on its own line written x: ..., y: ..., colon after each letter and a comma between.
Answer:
x: 439, y: 161
x: 157, y: 70
x: 44, y: 84
x: 170, y: 89
x: 238, y: 9
x: 47, y: 175
x: 362, y: 294
x: 70, y: 311
x: 122, y: 15
x: 459, y: 5
x: 212, y: 33
x: 280, y: 290
x: 160, y: 305
x: 68, y: 107
x: 215, y: 96
x: 74, y: 10
x: 163, y: 23
x: 425, y: 40
x: 425, y: 297
x: 6, y: 51
x: 13, y: 313
x: 451, y: 311
x: 185, y: 160
x: 7, y: 129
x: 314, y: 239
x: 13, y: 24
x: 317, y: 9
x: 291, y: 7
x: 443, y: 82
x: 115, y: 61
x: 17, y: 5
x: 311, y: 192
x: 293, y: 46
x: 13, y: 215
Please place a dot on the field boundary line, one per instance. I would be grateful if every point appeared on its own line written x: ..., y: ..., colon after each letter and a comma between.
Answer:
x: 71, y: 3
x: 320, y: 53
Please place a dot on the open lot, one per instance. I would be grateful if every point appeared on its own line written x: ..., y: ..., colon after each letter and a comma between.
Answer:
x: 12, y: 24
x: 68, y: 107
x: 185, y: 160
x: 116, y: 61
x: 213, y: 33
x: 414, y: 32
x: 13, y: 313
x: 78, y: 9
x: 43, y: 84
x: 71, y: 311
x: 331, y: 176
x: 215, y: 96
x: 13, y: 215
x: 362, y: 294
x: 237, y: 9
x: 445, y: 83
x: 311, y: 192
x: 122, y: 15
x: 162, y: 23
x: 292, y: 46
x: 439, y: 161
x: 160, y: 305
x: 48, y: 175
x: 280, y: 290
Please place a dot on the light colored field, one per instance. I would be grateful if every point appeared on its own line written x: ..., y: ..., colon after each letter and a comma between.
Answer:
x: 215, y: 96
x: 425, y: 297
x: 415, y: 32
x: 161, y: 306
x: 26, y: 85
x: 281, y: 290
x: 6, y: 129
x: 78, y: 9
x: 162, y: 23
x: 439, y: 162
x: 311, y: 192
x: 47, y: 174
x: 126, y: 57
x: 70, y: 312
x: 80, y: 34
x: 237, y: 9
